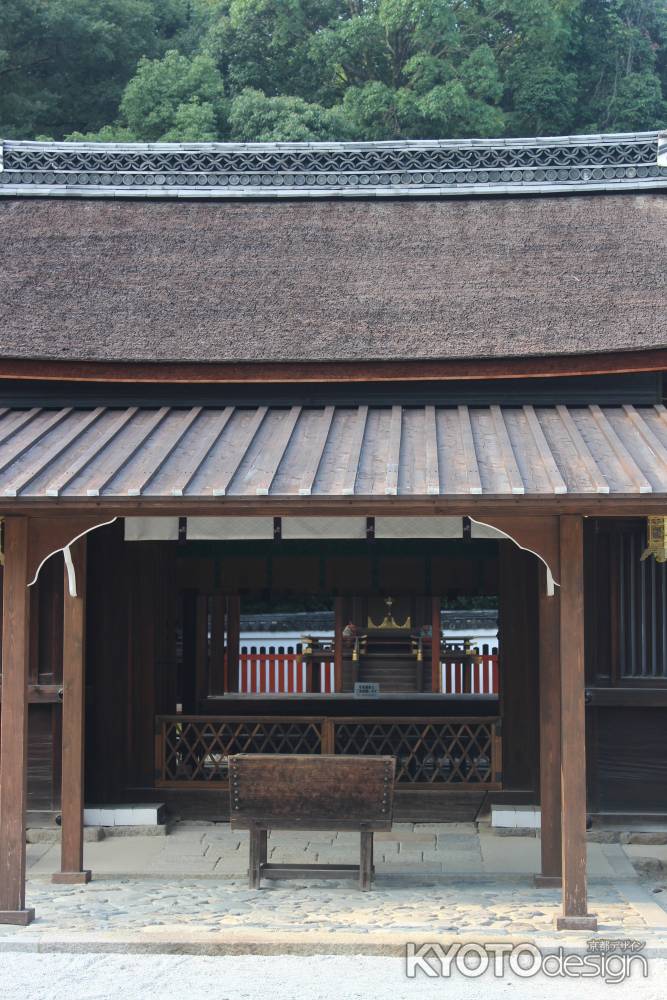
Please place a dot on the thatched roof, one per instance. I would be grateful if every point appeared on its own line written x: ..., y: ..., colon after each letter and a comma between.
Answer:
x: 331, y: 280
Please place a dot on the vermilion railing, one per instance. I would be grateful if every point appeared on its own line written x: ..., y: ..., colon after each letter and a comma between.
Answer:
x: 284, y: 673
x: 465, y: 674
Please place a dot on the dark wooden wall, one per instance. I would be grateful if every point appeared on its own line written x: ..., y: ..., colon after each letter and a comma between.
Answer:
x: 131, y: 660
x: 626, y: 670
x: 518, y: 643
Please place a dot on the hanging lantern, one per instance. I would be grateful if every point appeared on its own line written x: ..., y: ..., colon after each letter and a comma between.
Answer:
x: 656, y: 537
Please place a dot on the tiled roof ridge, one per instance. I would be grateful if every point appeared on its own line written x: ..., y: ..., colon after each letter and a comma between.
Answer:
x: 333, y: 169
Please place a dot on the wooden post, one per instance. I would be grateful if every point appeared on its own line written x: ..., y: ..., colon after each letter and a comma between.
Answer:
x: 73, y: 723
x: 202, y: 680
x: 339, y: 625
x: 436, y: 639
x: 366, y: 860
x: 14, y: 724
x: 255, y: 858
x: 233, y: 641
x: 549, y: 671
x: 217, y: 678
x: 575, y: 914
x: 328, y: 739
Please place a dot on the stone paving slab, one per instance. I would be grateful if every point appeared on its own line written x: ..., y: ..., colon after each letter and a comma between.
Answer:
x: 199, y: 849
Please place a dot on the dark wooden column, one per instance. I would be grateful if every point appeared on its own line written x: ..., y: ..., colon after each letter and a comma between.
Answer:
x: 575, y: 914
x: 233, y: 641
x: 339, y: 625
x: 549, y: 670
x: 14, y: 723
x: 217, y: 673
x: 436, y: 637
x: 73, y: 722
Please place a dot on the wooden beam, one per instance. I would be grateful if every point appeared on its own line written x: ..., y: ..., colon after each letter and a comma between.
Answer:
x: 374, y: 370
x: 73, y: 723
x: 42, y: 694
x: 97, y: 511
x: 549, y: 673
x: 436, y: 638
x: 14, y: 724
x: 575, y: 914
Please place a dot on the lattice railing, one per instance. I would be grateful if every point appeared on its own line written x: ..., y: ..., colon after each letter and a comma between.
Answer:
x: 451, y: 751
x: 444, y: 751
x: 197, y: 748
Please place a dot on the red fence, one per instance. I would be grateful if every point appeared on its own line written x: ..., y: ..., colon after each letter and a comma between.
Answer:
x: 284, y: 673
x: 292, y: 673
x: 469, y: 674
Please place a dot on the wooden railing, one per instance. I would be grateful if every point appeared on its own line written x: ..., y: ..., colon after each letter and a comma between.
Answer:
x: 193, y: 751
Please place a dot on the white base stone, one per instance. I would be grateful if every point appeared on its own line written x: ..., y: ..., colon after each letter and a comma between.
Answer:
x: 524, y: 817
x: 127, y: 815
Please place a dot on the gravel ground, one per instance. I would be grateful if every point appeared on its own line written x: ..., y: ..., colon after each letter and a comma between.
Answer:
x: 107, y: 977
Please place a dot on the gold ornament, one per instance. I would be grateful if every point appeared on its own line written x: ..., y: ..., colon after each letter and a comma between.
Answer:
x: 656, y: 537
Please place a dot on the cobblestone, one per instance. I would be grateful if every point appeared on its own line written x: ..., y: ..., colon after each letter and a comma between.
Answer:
x: 141, y: 908
x: 429, y: 882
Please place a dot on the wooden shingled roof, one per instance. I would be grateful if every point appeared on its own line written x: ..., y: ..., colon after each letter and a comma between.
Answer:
x: 333, y: 451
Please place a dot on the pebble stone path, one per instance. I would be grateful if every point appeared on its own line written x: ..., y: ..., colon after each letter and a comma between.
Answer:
x: 147, y: 906
x: 431, y: 880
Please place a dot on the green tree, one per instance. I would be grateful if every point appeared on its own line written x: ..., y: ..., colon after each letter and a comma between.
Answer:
x: 174, y: 96
x: 254, y: 117
x: 265, y: 44
x: 622, y: 80
x: 315, y: 69
x: 64, y: 63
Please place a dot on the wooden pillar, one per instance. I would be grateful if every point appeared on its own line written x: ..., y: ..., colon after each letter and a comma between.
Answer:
x: 14, y: 724
x: 339, y: 625
x: 575, y: 914
x: 73, y: 723
x: 202, y: 680
x: 233, y: 641
x: 217, y: 672
x: 436, y: 638
x: 549, y: 672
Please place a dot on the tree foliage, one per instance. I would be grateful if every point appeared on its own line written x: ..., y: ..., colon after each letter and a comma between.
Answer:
x: 330, y: 69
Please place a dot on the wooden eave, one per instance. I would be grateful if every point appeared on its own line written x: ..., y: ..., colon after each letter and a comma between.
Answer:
x: 549, y: 366
x: 333, y: 459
